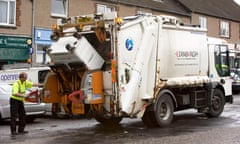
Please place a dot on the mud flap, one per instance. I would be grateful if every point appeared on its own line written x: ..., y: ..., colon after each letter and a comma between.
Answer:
x: 76, y: 98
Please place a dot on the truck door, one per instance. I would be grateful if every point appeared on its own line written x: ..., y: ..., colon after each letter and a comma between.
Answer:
x: 220, y: 71
x: 137, y: 43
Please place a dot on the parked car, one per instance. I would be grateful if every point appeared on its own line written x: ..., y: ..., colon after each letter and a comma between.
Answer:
x: 33, y: 110
x: 235, y: 75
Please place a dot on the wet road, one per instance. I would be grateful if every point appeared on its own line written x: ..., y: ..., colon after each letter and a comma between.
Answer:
x: 188, y: 127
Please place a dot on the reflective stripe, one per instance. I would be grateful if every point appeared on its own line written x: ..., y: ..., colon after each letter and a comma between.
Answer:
x: 19, y: 91
x: 17, y: 98
x: 113, y: 67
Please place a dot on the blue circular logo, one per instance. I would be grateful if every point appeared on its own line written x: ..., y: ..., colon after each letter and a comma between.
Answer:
x: 129, y: 44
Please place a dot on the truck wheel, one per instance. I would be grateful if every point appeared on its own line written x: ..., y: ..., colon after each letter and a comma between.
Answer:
x: 1, y: 118
x: 149, y: 118
x: 217, y: 105
x: 164, y: 110
x: 106, y: 121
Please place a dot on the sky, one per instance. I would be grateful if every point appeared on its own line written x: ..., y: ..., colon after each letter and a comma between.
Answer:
x: 237, y: 1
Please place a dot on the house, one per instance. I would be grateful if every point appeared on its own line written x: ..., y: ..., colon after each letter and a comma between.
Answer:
x: 25, y: 25
x: 220, y: 17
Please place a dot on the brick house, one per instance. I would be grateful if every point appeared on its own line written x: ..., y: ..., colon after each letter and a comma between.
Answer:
x: 25, y: 20
x: 220, y: 17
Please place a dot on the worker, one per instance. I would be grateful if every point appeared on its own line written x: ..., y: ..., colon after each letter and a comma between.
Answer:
x: 223, y: 70
x: 17, y: 103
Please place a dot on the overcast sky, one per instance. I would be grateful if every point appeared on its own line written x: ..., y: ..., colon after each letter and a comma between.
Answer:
x: 237, y: 1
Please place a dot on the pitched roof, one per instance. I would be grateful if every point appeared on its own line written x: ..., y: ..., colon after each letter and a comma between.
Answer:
x: 226, y: 9
x: 169, y: 6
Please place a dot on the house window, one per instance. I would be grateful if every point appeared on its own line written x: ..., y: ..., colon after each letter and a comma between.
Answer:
x: 158, y: 1
x: 203, y: 22
x: 143, y: 13
x: 59, y: 8
x: 8, y: 12
x: 224, y: 29
x: 104, y: 8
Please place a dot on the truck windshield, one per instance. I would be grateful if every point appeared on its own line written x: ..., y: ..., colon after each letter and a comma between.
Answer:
x: 237, y: 62
x: 222, y: 60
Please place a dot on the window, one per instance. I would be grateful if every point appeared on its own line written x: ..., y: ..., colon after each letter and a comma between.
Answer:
x: 104, y: 8
x: 42, y: 75
x: 41, y: 55
x: 158, y: 1
x: 221, y: 53
x: 8, y: 12
x: 59, y: 8
x: 224, y: 29
x: 203, y: 22
x: 143, y: 13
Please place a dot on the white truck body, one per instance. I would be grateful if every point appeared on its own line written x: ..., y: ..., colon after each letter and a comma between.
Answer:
x: 156, y: 60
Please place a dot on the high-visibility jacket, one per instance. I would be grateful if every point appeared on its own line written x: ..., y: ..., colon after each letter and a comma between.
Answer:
x: 19, y: 87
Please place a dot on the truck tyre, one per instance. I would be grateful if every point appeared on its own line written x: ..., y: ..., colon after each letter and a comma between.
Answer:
x: 164, y: 110
x: 217, y: 105
x: 106, y: 121
x: 1, y: 118
x: 149, y: 118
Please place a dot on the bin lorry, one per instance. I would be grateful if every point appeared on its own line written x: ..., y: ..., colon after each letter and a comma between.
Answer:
x: 144, y: 67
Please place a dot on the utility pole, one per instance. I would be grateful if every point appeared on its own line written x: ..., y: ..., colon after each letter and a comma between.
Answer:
x: 33, y: 55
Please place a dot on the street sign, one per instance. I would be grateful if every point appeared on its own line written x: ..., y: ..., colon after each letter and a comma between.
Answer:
x: 14, y: 42
x: 14, y: 48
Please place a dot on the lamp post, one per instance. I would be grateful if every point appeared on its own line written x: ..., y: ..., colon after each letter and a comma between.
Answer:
x: 33, y: 55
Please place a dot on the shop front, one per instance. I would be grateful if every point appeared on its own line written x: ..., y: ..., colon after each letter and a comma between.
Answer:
x: 42, y: 42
